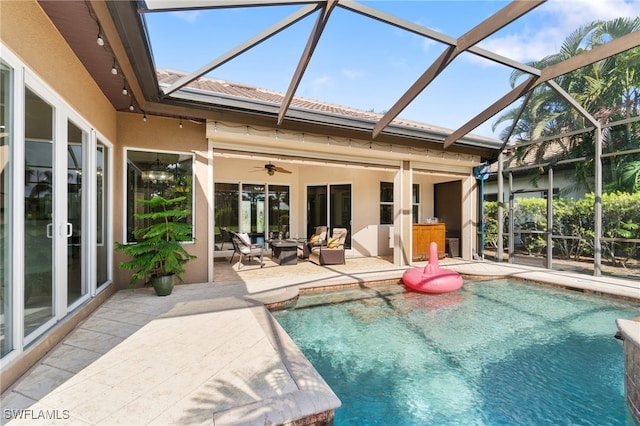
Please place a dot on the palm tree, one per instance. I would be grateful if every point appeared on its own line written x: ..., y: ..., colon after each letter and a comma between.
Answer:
x: 608, y: 89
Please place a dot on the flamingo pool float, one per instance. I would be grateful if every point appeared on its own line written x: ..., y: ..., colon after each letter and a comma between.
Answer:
x: 432, y: 278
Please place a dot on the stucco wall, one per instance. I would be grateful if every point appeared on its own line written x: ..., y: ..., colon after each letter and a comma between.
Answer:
x: 159, y: 133
x: 27, y: 31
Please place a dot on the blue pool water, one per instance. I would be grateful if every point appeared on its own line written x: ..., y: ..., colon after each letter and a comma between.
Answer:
x: 494, y: 353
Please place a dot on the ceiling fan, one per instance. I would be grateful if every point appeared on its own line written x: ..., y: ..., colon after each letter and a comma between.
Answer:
x: 272, y: 169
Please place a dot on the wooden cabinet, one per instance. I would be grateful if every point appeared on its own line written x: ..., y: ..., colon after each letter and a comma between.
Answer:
x: 423, y: 234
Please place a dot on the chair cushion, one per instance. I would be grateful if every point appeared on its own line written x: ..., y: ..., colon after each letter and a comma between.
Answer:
x: 245, y: 238
x: 333, y: 243
x: 315, y: 239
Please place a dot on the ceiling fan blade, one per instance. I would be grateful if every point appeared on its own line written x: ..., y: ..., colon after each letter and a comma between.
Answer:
x: 281, y: 170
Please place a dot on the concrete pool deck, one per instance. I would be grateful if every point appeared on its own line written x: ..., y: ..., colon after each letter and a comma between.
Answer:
x: 211, y: 353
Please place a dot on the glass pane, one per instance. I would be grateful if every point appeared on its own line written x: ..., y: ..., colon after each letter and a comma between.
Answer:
x: 316, y: 208
x: 252, y: 213
x: 415, y: 197
x: 76, y: 285
x: 386, y: 214
x: 6, y: 313
x: 386, y: 192
x: 149, y: 174
x: 227, y: 197
x: 102, y: 241
x: 38, y: 213
x: 279, y: 209
x: 340, y: 209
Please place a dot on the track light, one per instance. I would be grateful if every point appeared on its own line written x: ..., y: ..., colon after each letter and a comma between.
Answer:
x: 180, y: 125
x: 124, y: 90
x: 131, y: 107
x: 144, y: 116
x: 100, y: 40
x: 114, y: 70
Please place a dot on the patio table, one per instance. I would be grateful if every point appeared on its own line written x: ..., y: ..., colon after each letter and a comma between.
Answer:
x: 285, y: 252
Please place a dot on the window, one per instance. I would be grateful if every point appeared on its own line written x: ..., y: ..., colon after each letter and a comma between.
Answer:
x: 151, y: 173
x: 241, y: 208
x: 279, y: 209
x: 415, y: 203
x: 386, y: 203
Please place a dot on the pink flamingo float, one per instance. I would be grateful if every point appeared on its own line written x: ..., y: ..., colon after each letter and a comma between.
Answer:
x: 432, y: 278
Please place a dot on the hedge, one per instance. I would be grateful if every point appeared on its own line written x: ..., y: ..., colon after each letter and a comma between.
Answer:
x: 620, y: 220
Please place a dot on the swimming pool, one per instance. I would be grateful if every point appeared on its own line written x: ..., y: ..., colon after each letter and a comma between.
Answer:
x: 502, y: 352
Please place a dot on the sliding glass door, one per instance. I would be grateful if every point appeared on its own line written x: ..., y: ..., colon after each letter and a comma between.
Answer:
x: 329, y: 205
x: 257, y: 209
x: 55, y: 212
x: 39, y: 224
x: 76, y: 257
x: 55, y: 209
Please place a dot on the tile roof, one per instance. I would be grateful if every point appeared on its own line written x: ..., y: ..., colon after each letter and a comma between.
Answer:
x: 168, y: 77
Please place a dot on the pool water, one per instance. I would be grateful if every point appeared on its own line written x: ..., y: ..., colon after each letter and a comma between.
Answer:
x: 499, y: 352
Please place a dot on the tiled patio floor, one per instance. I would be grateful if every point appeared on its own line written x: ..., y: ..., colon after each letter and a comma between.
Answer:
x: 210, y: 353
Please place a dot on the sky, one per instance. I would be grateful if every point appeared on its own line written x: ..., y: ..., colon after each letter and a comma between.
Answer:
x: 364, y: 64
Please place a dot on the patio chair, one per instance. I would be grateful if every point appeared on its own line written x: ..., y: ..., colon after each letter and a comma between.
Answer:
x: 225, y: 237
x: 333, y: 252
x: 319, y: 237
x: 244, y: 248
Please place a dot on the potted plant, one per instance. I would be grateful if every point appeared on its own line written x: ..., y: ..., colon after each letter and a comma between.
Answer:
x: 158, y: 255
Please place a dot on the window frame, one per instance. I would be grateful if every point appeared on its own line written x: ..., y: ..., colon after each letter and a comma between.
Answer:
x: 385, y: 203
x: 125, y: 182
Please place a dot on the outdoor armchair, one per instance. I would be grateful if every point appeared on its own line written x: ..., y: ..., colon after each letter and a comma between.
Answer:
x: 244, y: 248
x: 331, y: 253
x: 318, y: 238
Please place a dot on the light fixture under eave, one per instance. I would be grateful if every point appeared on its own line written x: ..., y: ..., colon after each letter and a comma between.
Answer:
x: 131, y: 107
x: 158, y: 173
x: 124, y: 90
x: 144, y: 116
x: 100, y: 40
x: 180, y: 125
x: 114, y: 70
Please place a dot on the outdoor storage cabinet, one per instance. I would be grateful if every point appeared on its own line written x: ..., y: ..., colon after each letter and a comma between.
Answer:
x: 423, y: 235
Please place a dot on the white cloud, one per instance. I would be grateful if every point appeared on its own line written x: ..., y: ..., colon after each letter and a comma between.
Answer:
x: 427, y: 43
x: 189, y: 16
x: 351, y: 74
x: 320, y: 83
x: 543, y: 30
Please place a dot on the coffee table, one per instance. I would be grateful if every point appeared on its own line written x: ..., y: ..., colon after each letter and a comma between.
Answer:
x: 284, y: 252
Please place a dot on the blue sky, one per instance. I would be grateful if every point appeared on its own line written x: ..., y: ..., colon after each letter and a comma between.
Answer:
x: 364, y: 64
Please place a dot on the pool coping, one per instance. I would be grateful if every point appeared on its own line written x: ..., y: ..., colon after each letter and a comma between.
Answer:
x: 313, y: 403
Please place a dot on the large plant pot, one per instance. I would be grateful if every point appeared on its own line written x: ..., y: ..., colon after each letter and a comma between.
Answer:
x: 163, y: 285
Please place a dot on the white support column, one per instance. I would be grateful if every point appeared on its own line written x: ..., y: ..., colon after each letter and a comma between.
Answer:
x: 500, y: 248
x: 402, y: 223
x: 597, y: 210
x: 210, y: 195
x: 550, y: 220
x: 469, y: 226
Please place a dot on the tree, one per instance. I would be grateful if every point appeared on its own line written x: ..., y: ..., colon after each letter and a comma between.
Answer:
x: 609, y: 90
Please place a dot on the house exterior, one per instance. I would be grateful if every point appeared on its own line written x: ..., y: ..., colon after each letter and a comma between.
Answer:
x: 77, y: 153
x: 530, y: 172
